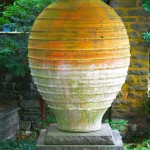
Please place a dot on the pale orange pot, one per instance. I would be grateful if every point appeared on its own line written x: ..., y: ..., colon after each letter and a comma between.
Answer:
x: 79, y: 56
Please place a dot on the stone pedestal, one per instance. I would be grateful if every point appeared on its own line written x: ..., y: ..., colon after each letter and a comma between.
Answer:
x: 104, y: 139
x: 9, y: 122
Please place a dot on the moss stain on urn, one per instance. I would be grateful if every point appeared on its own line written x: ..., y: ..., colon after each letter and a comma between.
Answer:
x: 73, y: 54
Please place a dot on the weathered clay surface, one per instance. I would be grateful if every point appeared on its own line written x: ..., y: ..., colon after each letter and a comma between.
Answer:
x: 79, y: 56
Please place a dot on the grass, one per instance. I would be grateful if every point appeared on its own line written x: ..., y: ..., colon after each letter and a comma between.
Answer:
x: 144, y: 145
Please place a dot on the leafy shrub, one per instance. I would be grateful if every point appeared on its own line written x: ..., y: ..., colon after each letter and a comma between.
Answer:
x: 146, y: 36
x: 24, y: 12
x: 45, y: 123
x: 146, y: 5
x: 146, y: 104
x: 145, y: 145
x: 13, y: 51
x: 13, y: 55
x: 24, y: 141
x: 117, y: 124
x: 22, y: 144
x: 3, y: 21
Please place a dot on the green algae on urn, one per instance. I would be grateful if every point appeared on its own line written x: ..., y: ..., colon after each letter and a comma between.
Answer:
x: 79, y: 55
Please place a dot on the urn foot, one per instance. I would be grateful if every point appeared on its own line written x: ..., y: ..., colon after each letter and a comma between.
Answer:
x: 79, y: 120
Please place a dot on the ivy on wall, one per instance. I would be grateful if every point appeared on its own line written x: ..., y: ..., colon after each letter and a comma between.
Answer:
x: 146, y: 6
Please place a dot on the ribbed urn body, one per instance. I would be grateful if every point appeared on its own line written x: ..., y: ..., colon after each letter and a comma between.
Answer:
x: 79, y: 56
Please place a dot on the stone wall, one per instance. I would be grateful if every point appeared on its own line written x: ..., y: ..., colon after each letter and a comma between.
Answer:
x: 129, y: 101
x: 19, y: 91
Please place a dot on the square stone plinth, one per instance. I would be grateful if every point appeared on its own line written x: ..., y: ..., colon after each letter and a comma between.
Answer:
x: 55, y: 139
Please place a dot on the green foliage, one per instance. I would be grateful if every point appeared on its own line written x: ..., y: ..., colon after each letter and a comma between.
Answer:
x: 117, y: 124
x: 28, y: 135
x: 23, y: 12
x: 24, y: 141
x: 146, y: 104
x: 22, y: 144
x: 26, y: 144
x: 145, y: 145
x: 146, y: 36
x: 13, y: 51
x: 146, y: 5
x: 3, y: 21
x: 13, y: 55
x: 45, y: 123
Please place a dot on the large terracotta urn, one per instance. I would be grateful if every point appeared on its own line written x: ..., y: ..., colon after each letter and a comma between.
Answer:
x: 79, y: 56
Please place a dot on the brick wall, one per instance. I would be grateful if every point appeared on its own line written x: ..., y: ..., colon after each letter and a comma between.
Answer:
x: 134, y: 91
